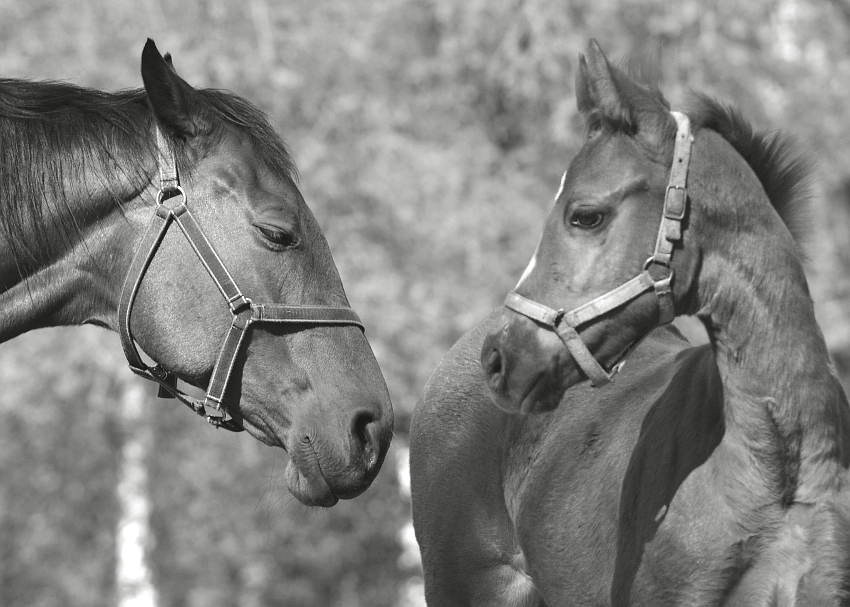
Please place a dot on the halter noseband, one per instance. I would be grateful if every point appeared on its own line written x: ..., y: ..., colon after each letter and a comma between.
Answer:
x: 171, y: 206
x: 565, y: 324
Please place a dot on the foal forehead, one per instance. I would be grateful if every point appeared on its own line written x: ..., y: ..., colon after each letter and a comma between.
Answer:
x: 606, y: 163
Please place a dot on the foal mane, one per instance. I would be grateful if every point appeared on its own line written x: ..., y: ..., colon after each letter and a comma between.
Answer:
x: 54, y: 133
x: 783, y: 172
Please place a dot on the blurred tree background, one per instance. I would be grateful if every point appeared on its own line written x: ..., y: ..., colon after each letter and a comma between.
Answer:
x: 431, y: 136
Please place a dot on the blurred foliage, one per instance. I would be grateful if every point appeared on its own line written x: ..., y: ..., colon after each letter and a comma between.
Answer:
x: 430, y: 135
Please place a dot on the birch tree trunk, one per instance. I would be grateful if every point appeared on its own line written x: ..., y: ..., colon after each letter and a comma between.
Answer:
x: 134, y: 581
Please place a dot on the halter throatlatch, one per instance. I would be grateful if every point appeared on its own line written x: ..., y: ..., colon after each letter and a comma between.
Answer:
x: 171, y: 207
x: 566, y: 324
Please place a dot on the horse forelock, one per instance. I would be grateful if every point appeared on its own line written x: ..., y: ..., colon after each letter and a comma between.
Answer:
x: 55, y: 133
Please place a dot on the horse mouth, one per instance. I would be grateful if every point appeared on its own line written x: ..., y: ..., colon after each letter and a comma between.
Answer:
x: 312, y: 491
x: 305, y: 480
x: 303, y: 474
x: 540, y: 398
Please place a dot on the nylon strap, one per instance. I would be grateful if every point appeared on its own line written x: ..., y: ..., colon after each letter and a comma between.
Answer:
x: 151, y: 239
x: 326, y: 315
x: 168, y: 177
x: 582, y: 355
x: 676, y: 195
x: 171, y: 207
x: 610, y: 300
x: 554, y: 320
x: 566, y: 324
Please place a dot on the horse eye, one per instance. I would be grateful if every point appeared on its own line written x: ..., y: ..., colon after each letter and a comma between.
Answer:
x: 594, y: 125
x: 587, y: 219
x: 278, y: 237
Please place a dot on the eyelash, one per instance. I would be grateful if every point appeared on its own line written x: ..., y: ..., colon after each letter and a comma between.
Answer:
x: 278, y: 238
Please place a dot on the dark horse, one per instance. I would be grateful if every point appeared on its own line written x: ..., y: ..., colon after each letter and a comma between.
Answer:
x: 715, y: 475
x: 82, y: 173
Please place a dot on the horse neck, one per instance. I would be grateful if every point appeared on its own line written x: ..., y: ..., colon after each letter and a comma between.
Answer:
x: 777, y: 377
x: 64, y: 261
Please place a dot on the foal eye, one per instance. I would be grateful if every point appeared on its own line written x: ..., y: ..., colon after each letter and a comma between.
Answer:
x: 594, y: 125
x: 278, y: 238
x: 587, y: 219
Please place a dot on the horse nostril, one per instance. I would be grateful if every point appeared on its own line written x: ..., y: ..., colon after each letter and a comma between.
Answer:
x: 492, y: 362
x: 363, y: 429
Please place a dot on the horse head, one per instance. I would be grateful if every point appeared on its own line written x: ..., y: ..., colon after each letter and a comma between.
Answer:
x: 619, y: 252
x: 312, y: 388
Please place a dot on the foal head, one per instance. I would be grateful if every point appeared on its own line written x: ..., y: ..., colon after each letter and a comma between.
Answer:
x: 605, y: 231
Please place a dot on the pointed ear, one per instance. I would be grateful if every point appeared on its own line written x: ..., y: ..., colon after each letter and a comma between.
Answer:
x: 584, y: 100
x: 597, y: 88
x: 168, y: 94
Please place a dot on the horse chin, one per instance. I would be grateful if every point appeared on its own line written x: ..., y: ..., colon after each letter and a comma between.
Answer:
x: 310, y: 489
x: 547, y: 398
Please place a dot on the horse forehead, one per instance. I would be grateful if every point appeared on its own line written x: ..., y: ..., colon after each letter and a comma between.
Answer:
x: 235, y: 154
x: 238, y: 170
x: 606, y: 161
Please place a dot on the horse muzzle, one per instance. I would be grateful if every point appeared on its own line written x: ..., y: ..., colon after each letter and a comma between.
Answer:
x: 524, y: 365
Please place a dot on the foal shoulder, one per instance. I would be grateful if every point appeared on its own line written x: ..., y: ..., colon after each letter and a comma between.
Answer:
x: 470, y: 554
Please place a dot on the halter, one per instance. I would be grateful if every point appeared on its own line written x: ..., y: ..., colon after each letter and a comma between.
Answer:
x: 171, y: 206
x: 565, y: 324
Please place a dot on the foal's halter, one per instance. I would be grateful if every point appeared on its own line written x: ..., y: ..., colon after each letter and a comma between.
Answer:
x: 565, y: 324
x: 171, y: 206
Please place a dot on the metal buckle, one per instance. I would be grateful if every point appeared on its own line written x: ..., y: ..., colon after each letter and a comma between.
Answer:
x: 662, y: 263
x: 659, y: 262
x: 675, y: 208
x: 239, y: 303
x: 559, y: 316
x: 163, y: 195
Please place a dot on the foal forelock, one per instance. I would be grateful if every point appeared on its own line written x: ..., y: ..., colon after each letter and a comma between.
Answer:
x: 66, y: 146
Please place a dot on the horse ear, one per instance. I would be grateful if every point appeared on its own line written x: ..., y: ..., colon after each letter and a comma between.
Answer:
x: 168, y: 94
x: 584, y: 100
x: 597, y: 88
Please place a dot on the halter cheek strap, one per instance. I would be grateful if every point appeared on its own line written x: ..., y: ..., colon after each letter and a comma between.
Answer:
x: 171, y: 208
x: 566, y: 324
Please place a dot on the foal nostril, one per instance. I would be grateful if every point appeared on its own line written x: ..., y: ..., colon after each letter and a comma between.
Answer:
x: 364, y: 431
x: 492, y: 362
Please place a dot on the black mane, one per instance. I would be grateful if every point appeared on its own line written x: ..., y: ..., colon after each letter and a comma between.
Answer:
x: 55, y: 133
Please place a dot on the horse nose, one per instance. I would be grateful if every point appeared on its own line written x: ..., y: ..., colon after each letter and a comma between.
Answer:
x: 493, y: 361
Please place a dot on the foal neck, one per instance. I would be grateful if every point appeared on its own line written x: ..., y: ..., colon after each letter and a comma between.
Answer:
x: 780, y: 389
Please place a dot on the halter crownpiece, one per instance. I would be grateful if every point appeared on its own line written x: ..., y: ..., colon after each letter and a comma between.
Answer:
x: 566, y: 324
x: 171, y: 207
